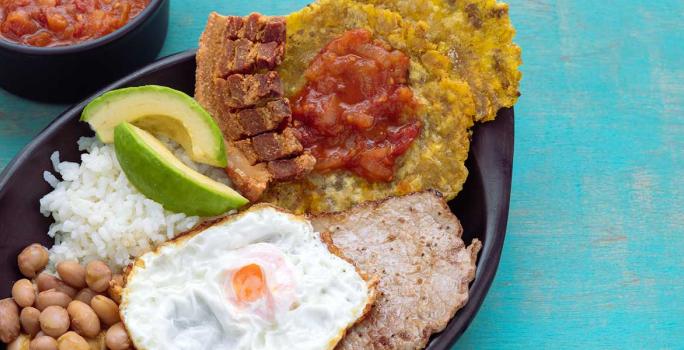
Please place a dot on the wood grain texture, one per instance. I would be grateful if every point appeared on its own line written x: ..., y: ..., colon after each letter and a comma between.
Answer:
x: 594, y: 252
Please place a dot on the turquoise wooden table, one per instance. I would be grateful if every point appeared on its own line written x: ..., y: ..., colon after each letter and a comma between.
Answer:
x: 594, y: 255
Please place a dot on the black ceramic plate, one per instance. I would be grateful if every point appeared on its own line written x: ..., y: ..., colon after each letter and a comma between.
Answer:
x: 482, y: 206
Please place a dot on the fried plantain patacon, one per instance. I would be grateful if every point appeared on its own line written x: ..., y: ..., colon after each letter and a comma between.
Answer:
x: 463, y: 69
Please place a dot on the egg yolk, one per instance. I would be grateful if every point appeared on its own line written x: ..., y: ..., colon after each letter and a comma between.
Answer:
x: 249, y: 283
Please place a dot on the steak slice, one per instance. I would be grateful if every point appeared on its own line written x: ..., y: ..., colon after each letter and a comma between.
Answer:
x: 413, y: 244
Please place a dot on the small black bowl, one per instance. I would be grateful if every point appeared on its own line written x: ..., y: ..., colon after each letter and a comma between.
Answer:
x: 482, y: 205
x: 69, y: 73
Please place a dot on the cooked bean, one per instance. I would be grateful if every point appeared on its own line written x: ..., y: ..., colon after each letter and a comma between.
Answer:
x: 43, y: 343
x: 72, y: 273
x: 9, y: 320
x: 46, y: 281
x: 51, y: 297
x: 30, y: 320
x: 117, y: 338
x: 72, y: 341
x: 23, y: 293
x: 85, y: 295
x: 66, y: 289
x: 54, y: 321
x: 32, y: 260
x: 106, y: 309
x: 98, y: 276
x: 21, y: 343
x: 115, y: 287
x: 83, y: 319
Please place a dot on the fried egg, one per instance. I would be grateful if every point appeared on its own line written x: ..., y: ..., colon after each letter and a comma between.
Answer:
x: 262, y: 279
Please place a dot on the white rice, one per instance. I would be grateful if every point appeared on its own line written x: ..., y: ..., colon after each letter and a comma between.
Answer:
x: 98, y: 214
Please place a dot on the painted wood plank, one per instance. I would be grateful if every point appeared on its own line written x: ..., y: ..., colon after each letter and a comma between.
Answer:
x: 592, y: 257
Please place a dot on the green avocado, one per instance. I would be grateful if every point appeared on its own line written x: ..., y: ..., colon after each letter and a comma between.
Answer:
x: 159, y: 175
x: 159, y: 110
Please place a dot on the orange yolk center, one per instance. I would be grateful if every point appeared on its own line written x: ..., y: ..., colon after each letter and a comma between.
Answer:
x: 249, y: 283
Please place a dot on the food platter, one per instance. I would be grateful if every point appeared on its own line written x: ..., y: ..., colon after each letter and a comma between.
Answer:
x: 482, y: 205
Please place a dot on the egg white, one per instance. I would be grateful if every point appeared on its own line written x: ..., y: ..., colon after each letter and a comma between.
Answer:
x: 175, y: 297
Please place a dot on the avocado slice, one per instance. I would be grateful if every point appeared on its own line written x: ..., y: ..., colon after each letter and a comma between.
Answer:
x: 159, y: 175
x: 159, y: 110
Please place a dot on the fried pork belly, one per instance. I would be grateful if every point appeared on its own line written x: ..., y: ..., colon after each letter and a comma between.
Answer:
x: 236, y: 82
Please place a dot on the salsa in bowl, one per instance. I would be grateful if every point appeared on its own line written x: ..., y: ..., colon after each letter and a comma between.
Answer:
x: 47, y: 23
x: 61, y: 50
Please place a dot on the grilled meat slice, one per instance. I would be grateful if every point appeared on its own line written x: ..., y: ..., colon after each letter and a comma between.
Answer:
x: 413, y: 244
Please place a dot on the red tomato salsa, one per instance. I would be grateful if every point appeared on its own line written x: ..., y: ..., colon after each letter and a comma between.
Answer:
x: 356, y: 111
x: 64, y: 22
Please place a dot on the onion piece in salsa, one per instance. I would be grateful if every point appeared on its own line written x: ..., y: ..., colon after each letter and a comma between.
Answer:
x: 356, y: 111
x: 64, y: 22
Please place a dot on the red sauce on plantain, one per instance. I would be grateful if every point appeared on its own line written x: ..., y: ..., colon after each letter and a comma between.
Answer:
x: 356, y: 111
x: 64, y: 22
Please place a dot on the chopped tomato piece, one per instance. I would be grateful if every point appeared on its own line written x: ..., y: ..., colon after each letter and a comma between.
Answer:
x: 56, y: 22
x: 19, y: 23
x: 40, y: 39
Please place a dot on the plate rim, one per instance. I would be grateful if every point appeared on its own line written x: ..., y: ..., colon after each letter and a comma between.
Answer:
x: 495, y: 227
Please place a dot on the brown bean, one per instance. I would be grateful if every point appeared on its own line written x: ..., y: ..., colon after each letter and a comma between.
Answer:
x: 117, y: 338
x: 72, y: 341
x: 98, y: 276
x: 66, y: 289
x: 85, y: 295
x: 51, y: 297
x: 43, y: 343
x: 30, y: 320
x: 106, y: 309
x: 54, y: 321
x: 115, y: 288
x: 72, y: 273
x: 23, y: 293
x: 32, y: 260
x: 83, y: 319
x: 46, y: 281
x: 21, y: 343
x: 9, y: 320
